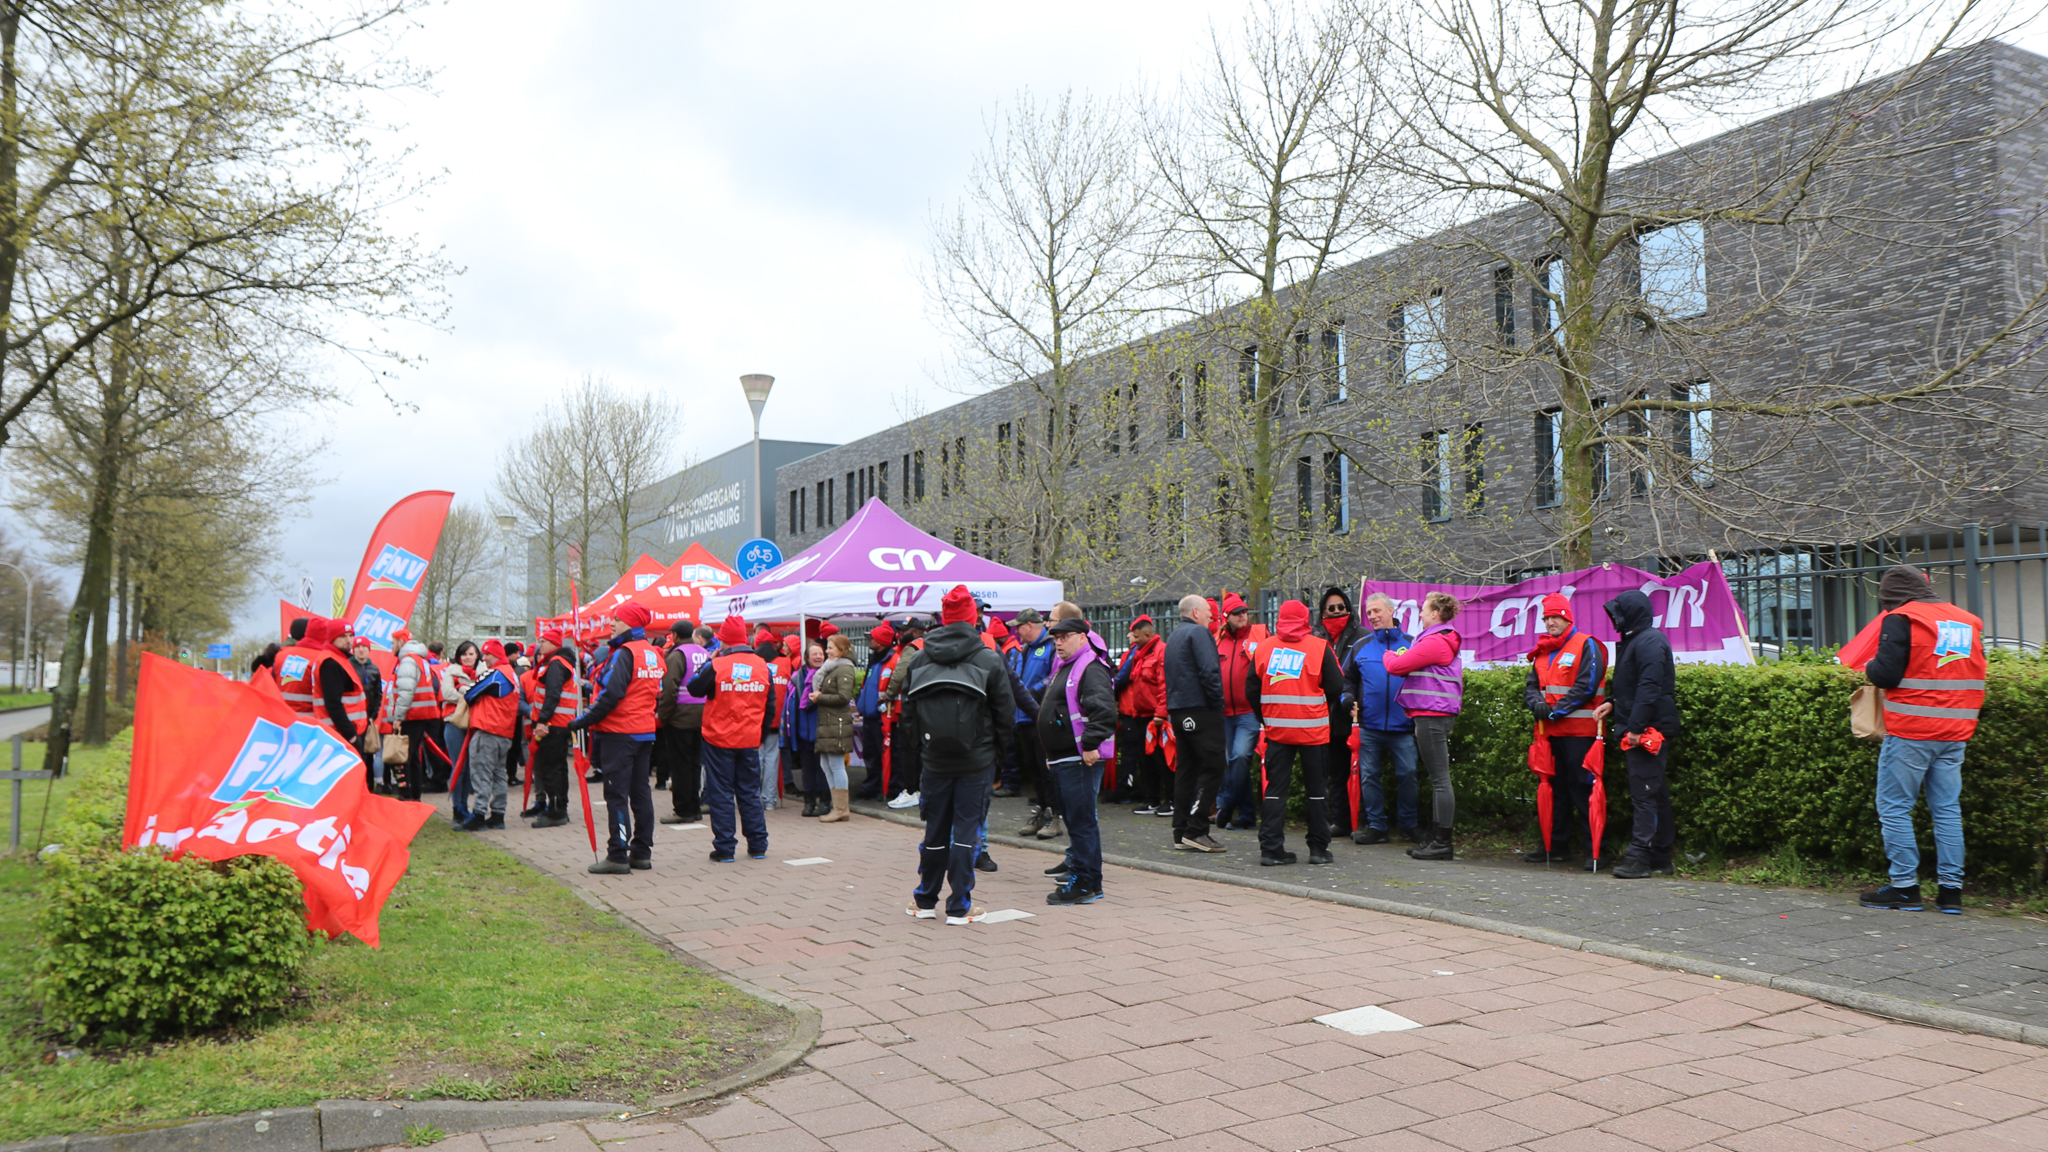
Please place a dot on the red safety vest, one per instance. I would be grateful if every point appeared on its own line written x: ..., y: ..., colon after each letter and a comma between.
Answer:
x: 1556, y: 673
x: 635, y: 714
x: 1943, y: 689
x: 426, y: 694
x: 298, y: 677
x: 497, y: 715
x: 732, y: 718
x: 537, y: 694
x: 1291, y: 701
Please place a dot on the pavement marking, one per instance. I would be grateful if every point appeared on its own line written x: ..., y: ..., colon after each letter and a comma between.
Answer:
x: 807, y: 861
x: 1001, y: 915
x: 1367, y: 1020
x: 697, y: 827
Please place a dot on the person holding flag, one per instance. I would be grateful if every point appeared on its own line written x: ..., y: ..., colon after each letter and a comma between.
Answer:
x: 1566, y: 670
x: 1293, y: 685
x: 556, y: 694
x: 621, y: 722
x: 493, y: 723
x: 735, y: 686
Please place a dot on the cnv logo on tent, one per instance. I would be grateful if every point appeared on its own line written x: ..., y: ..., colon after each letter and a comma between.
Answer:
x: 297, y: 765
x: 397, y: 568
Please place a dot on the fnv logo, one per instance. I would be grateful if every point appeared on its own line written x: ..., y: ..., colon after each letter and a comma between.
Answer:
x: 396, y: 568
x: 378, y: 626
x: 1953, y: 640
x: 1285, y: 664
x: 292, y: 668
x: 742, y: 672
x: 298, y: 765
x: 642, y: 580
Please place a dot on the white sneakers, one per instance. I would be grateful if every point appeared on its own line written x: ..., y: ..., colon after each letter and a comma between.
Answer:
x: 905, y: 800
x: 975, y: 912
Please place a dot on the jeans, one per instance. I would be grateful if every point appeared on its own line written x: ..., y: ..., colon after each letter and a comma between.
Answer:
x: 1906, y: 768
x: 458, y: 778
x: 1198, y: 766
x: 486, y: 772
x: 833, y: 764
x: 729, y: 775
x: 1277, y: 775
x: 1433, y: 747
x: 1077, y: 782
x: 953, y: 810
x: 451, y: 741
x: 1399, y: 747
x: 1240, y: 734
x: 623, y: 762
x: 771, y: 756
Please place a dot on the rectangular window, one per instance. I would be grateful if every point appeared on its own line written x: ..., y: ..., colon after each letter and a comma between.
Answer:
x: 882, y: 481
x: 1640, y: 478
x: 824, y: 508
x: 1131, y: 415
x: 796, y: 521
x: 1423, y: 357
x: 1546, y: 299
x: 1304, y: 492
x: 917, y: 476
x: 1248, y: 375
x: 1692, y: 433
x: 827, y: 502
x: 1307, y: 370
x: 1549, y: 458
x: 1226, y: 512
x: 852, y: 500
x: 1177, y: 395
x: 945, y: 471
x: 960, y: 465
x: 1672, y: 268
x: 1439, y: 467
x: 1336, y: 366
x: 1504, y: 304
x: 1337, y: 492
x: 1112, y: 424
x: 1198, y: 396
x: 1599, y: 451
x: 1002, y: 451
x: 1176, y: 535
x: 1475, y: 469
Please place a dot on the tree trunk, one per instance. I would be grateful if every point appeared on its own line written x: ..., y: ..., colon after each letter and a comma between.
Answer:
x: 95, y: 727
x: 121, y: 653
x: 99, y: 557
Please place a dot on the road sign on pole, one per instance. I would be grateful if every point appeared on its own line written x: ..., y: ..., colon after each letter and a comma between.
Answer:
x: 755, y: 557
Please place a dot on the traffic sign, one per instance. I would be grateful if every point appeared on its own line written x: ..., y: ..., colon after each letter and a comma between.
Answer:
x: 755, y: 557
x: 219, y: 651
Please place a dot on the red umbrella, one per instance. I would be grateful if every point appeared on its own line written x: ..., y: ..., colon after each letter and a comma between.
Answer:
x: 583, y: 782
x: 1596, y: 803
x: 1354, y: 776
x: 1544, y: 765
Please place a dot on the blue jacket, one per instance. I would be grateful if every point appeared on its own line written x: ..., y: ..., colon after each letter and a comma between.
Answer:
x: 1032, y: 664
x: 1376, y: 692
x: 869, y: 700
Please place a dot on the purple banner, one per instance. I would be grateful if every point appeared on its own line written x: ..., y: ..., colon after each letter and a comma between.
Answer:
x: 1500, y: 624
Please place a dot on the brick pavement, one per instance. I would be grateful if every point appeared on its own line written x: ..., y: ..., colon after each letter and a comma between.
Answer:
x: 1178, y: 1014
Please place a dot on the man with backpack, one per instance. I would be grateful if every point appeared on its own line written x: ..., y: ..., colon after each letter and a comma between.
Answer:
x: 956, y: 699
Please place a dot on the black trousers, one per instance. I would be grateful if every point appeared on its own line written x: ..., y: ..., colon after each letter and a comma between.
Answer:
x: 1037, y: 778
x: 664, y: 756
x: 683, y: 748
x: 906, y: 757
x: 628, y: 793
x: 419, y: 759
x: 551, y: 772
x: 1571, y: 793
x: 871, y: 752
x: 1198, y: 768
x: 1337, y: 771
x: 1279, y: 776
x: 1146, y: 771
x: 1651, y: 792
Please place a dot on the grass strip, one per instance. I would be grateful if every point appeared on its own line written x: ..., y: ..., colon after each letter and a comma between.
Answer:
x: 494, y: 982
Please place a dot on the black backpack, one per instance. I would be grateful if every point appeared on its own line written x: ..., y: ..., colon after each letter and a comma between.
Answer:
x: 951, y: 703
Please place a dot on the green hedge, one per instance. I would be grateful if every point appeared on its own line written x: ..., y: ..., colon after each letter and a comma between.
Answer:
x: 1766, y: 760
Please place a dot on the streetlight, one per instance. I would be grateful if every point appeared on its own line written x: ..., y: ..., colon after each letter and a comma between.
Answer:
x: 28, y: 615
x: 756, y: 386
x: 505, y: 526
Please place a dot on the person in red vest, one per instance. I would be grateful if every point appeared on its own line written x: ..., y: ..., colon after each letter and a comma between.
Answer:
x: 493, y: 722
x: 554, y: 695
x: 1237, y: 641
x: 1566, y: 670
x: 1930, y: 663
x: 735, y: 685
x: 621, y: 723
x: 1140, y: 684
x: 1294, y: 685
x: 318, y: 680
x: 417, y: 708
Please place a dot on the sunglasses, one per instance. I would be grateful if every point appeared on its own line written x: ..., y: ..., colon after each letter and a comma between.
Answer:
x: 1336, y: 610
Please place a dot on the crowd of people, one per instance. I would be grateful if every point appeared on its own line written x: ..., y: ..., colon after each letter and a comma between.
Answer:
x: 946, y: 715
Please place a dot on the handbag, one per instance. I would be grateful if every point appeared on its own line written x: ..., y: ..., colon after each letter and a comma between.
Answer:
x: 396, y: 748
x: 1866, y: 713
x: 460, y: 717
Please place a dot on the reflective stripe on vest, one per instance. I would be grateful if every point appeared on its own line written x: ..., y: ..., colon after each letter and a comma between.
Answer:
x: 426, y: 694
x: 1558, y: 676
x: 302, y: 692
x: 1292, y: 706
x: 1891, y: 705
x: 1440, y: 687
x: 1944, y: 685
x: 1942, y: 690
x: 565, y: 704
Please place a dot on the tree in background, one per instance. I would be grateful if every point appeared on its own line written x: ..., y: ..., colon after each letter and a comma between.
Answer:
x: 460, y: 583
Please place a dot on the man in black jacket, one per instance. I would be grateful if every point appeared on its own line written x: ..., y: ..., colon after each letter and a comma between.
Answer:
x: 1643, y: 699
x: 1073, y: 751
x: 1340, y: 626
x: 956, y: 698
x: 1194, y: 710
x: 558, y: 704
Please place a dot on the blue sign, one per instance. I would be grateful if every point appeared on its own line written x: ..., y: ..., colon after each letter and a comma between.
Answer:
x: 755, y: 557
x: 219, y: 651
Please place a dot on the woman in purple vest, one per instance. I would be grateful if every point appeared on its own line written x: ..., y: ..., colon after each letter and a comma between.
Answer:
x: 1432, y: 695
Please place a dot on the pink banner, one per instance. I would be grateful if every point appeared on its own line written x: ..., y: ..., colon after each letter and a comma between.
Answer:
x: 1500, y: 623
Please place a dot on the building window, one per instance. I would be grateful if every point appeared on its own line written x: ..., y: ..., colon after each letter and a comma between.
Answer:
x: 1549, y: 458
x: 796, y: 522
x: 1226, y: 512
x: 1475, y: 468
x: 1112, y: 424
x: 1198, y: 396
x: 917, y: 476
x: 1177, y: 395
x: 1546, y: 299
x: 1248, y: 375
x: 1337, y: 492
x: 1002, y: 451
x: 823, y: 506
x: 1304, y: 492
x: 1598, y: 452
x: 960, y: 465
x: 1692, y: 433
x: 1423, y: 357
x: 945, y: 471
x: 852, y: 501
x: 882, y: 481
x: 1672, y: 268
x: 1131, y: 419
x: 1440, y: 461
x: 1336, y: 366
x: 1504, y: 304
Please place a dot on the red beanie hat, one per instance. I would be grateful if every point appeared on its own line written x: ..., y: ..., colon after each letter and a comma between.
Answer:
x: 882, y: 636
x: 958, y: 606
x: 401, y: 636
x: 791, y: 643
x: 827, y: 630
x: 1232, y: 602
x: 997, y: 628
x: 1556, y: 605
x: 552, y: 636
x: 733, y: 631
x: 764, y: 636
x: 494, y: 650
x: 632, y: 615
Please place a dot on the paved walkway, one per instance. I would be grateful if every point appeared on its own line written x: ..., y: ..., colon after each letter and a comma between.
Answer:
x: 1983, y: 962
x: 1179, y: 1014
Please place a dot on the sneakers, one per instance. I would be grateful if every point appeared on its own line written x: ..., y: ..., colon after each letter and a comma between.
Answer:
x: 1037, y: 821
x: 673, y: 818
x: 1060, y: 869
x: 495, y: 823
x: 1071, y: 892
x: 1145, y: 810
x: 474, y: 823
x: 1202, y: 844
x: 1369, y: 836
x: 1005, y: 792
x: 905, y: 800
x: 1266, y: 861
x: 1632, y: 869
x: 1052, y: 829
x: 921, y: 913
x: 1949, y: 900
x: 753, y: 855
x: 640, y: 864
x: 610, y: 868
x: 548, y: 820
x: 1322, y: 857
x: 718, y: 857
x: 974, y: 912
x: 1165, y: 810
x: 984, y: 862
x: 530, y: 813
x: 1896, y: 899
x: 1539, y: 856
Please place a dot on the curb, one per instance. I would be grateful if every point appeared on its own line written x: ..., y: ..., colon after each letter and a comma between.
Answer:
x: 328, y: 1126
x: 1890, y: 1007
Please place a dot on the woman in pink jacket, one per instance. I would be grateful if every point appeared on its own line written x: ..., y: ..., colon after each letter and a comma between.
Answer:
x: 1432, y: 694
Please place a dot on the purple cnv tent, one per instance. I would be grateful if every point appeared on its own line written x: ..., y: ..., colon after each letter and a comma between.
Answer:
x: 877, y: 564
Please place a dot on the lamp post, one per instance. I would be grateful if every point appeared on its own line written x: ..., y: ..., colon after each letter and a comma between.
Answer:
x: 505, y: 526
x: 28, y: 616
x: 756, y: 387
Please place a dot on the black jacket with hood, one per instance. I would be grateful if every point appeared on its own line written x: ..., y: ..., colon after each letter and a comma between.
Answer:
x: 1645, y: 685
x: 1901, y: 585
x: 1194, y: 676
x: 1344, y: 641
x: 951, y: 647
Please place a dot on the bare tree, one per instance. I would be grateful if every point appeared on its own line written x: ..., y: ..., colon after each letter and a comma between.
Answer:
x: 457, y: 586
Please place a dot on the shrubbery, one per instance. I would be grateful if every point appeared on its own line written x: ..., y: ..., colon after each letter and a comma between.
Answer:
x: 1766, y: 760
